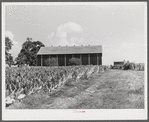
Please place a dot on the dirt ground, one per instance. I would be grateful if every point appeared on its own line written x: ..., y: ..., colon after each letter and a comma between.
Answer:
x: 113, y: 89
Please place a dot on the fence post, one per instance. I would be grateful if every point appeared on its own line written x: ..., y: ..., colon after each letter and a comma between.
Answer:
x: 41, y: 60
x: 81, y: 58
x: 89, y: 59
x: 65, y: 60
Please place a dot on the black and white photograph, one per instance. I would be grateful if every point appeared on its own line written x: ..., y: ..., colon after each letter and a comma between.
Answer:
x: 74, y: 60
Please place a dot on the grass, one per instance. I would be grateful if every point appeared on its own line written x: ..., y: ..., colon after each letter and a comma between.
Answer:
x: 113, y: 89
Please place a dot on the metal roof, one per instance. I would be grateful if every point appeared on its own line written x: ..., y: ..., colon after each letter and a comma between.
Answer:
x: 70, y: 50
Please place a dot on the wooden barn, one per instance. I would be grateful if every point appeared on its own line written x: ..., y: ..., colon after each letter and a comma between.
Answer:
x: 88, y: 54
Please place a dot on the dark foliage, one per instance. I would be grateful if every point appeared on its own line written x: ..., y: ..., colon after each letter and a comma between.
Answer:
x: 28, y: 53
x: 126, y: 66
x: 74, y: 61
x: 8, y: 56
x: 51, y: 62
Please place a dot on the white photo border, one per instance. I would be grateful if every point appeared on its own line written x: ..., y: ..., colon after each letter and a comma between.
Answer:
x: 67, y: 114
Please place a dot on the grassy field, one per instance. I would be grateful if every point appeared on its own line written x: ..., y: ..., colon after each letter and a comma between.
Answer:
x: 113, y: 89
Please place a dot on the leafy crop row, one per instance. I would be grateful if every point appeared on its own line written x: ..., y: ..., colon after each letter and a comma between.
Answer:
x: 28, y: 80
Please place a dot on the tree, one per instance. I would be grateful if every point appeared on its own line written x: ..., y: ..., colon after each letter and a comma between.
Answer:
x: 8, y: 56
x: 8, y: 44
x: 129, y: 65
x: 28, y: 53
x: 74, y: 61
x: 51, y: 62
x: 9, y: 60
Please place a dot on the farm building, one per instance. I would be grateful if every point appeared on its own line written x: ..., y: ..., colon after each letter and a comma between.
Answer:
x: 118, y: 62
x: 87, y: 54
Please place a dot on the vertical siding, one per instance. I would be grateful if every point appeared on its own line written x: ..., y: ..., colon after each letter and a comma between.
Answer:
x: 100, y: 58
x: 77, y: 56
x: 45, y: 57
x: 55, y: 57
x: 93, y: 59
x: 38, y: 60
x: 52, y: 56
x: 84, y: 59
x: 89, y: 59
x: 61, y: 60
x: 68, y: 57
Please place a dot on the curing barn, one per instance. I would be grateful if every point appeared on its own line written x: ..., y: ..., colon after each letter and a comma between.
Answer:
x: 88, y: 54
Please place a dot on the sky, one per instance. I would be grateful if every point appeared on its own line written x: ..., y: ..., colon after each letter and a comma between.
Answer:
x: 119, y: 27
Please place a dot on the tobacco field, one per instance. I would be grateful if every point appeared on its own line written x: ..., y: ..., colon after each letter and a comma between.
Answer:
x: 74, y: 87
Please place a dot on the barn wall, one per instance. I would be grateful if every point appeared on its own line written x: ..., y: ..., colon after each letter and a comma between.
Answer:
x: 100, y: 58
x: 93, y: 59
x: 68, y: 57
x: 45, y: 57
x: 52, y: 56
x: 77, y: 56
x: 38, y: 60
x: 61, y: 60
x: 84, y: 59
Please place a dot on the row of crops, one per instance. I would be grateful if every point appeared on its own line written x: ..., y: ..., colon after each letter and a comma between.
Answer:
x: 20, y: 82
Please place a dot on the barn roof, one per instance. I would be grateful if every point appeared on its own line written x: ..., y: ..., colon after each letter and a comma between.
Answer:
x: 70, y: 50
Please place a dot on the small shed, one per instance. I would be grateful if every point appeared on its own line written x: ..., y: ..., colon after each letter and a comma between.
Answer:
x: 118, y: 63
